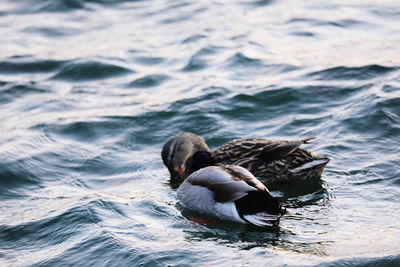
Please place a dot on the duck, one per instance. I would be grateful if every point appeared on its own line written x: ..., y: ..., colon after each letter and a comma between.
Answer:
x: 177, y: 154
x: 229, y: 193
x: 271, y: 161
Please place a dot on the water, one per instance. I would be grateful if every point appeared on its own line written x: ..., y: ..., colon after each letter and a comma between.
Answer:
x: 90, y: 91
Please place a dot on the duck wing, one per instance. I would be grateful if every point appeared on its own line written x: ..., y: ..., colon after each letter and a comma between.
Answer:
x: 256, y: 149
x: 228, y: 183
x: 280, y: 150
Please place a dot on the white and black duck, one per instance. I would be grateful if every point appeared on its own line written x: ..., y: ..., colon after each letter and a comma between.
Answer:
x: 270, y: 161
x: 229, y: 193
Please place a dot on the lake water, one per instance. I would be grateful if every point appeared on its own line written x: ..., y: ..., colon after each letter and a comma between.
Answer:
x: 91, y: 89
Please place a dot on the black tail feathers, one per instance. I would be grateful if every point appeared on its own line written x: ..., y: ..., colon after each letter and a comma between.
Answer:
x: 258, y: 201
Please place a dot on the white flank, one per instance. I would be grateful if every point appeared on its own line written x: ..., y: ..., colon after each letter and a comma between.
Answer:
x: 310, y: 165
x: 261, y: 219
x: 227, y: 211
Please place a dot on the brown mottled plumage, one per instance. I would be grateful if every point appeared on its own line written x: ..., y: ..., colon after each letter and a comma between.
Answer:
x: 272, y: 161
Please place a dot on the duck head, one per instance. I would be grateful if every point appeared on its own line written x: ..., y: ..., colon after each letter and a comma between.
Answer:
x: 177, y: 155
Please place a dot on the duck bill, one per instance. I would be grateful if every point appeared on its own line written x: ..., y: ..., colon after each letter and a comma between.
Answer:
x: 177, y: 176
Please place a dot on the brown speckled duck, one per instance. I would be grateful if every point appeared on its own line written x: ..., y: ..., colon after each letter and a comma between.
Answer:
x: 270, y: 161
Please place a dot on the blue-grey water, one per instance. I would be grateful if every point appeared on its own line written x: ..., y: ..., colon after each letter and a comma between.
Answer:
x: 91, y: 89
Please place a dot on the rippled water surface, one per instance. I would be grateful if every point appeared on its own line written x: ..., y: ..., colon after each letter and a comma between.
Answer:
x: 91, y: 89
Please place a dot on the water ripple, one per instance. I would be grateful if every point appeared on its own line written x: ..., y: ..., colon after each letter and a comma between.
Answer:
x: 148, y: 81
x: 84, y: 70
x: 240, y: 60
x: 10, y: 91
x: 358, y: 73
x: 198, y: 61
x: 29, y: 65
x: 52, y: 32
x: 91, y: 89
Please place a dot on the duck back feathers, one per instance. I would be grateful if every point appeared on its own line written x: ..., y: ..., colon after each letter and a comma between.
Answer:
x: 272, y: 161
x: 228, y: 183
x: 230, y: 193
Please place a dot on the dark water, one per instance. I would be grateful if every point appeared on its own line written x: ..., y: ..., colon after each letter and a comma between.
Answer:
x: 91, y: 89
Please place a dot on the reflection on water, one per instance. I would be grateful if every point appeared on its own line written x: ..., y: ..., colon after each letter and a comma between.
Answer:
x: 245, y: 237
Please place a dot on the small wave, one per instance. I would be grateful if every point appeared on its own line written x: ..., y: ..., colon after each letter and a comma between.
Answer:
x: 89, y: 70
x: 198, y: 60
x: 176, y: 19
x: 88, y: 131
x: 10, y: 91
x: 345, y: 23
x: 303, y: 34
x: 53, y: 32
x: 150, y: 125
x: 29, y: 65
x: 257, y: 3
x: 240, y: 60
x: 375, y: 116
x: 193, y: 38
x: 352, y: 73
x: 61, y: 224
x: 149, y: 60
x: 386, y: 12
x: 265, y: 106
x: 278, y: 97
x: 53, y: 230
x: 392, y: 260
x: 195, y: 64
x: 203, y: 100
x: 300, y: 20
x: 148, y: 81
x: 244, y: 66
x: 14, y: 180
x: 32, y: 6
x: 97, y: 249
x: 106, y: 164
x: 180, y: 12
x: 91, y: 229
x: 390, y: 89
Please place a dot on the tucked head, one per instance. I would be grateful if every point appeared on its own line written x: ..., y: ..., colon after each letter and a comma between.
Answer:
x: 177, y: 154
